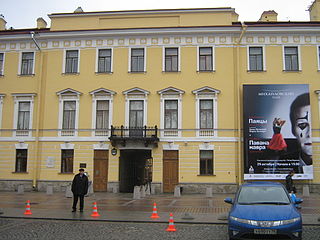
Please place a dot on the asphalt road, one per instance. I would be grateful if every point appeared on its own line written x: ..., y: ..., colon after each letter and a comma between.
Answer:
x: 11, y: 229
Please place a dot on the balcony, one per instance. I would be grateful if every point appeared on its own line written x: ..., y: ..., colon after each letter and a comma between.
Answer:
x: 122, y: 135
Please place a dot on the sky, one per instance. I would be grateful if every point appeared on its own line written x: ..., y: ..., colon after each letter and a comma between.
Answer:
x: 24, y: 13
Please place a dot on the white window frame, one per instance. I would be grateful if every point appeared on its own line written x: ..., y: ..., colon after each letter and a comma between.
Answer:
x: 94, y: 115
x: 2, y: 67
x: 318, y: 56
x: 144, y: 59
x: 20, y: 61
x: 207, y: 133
x: 28, y: 97
x: 213, y: 58
x: 97, y: 60
x: 264, y: 66
x: 64, y: 60
x: 170, y: 132
x: 164, y: 59
x: 68, y: 97
x: 127, y: 114
x: 284, y: 60
x: 1, y: 106
x: 208, y: 147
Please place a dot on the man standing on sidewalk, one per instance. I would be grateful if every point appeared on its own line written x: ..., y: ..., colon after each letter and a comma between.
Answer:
x: 79, y: 189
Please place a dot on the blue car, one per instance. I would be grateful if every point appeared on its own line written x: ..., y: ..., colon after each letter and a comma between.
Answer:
x: 264, y: 209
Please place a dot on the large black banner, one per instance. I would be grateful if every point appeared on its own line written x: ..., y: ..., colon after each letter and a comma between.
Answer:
x: 277, y: 131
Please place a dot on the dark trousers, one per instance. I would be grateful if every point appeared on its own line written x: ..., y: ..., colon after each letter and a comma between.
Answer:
x: 75, y: 201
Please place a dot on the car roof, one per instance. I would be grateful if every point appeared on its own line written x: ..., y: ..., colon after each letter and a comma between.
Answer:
x: 261, y: 183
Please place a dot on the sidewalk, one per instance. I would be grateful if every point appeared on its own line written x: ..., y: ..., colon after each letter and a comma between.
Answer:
x: 191, y: 208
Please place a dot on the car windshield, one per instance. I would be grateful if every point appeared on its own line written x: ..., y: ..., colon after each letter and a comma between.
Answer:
x: 263, y: 195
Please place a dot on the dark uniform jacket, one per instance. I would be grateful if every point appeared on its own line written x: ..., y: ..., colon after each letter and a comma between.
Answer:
x: 289, y: 184
x: 80, y: 185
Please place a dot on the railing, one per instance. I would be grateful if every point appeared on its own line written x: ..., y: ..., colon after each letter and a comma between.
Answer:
x: 68, y: 132
x: 22, y: 133
x: 134, y: 132
x: 206, y: 132
x: 170, y: 133
x: 101, y: 133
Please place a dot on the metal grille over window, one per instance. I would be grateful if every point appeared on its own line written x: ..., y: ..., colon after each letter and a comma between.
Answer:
x: 72, y: 61
x: 205, y: 59
x: 291, y: 58
x: 255, y: 59
x: 206, y: 118
x: 171, y: 59
x: 69, y: 117
x: 27, y: 63
x: 23, y: 119
x: 206, y: 162
x: 137, y: 60
x: 21, y: 160
x: 102, y: 118
x: 1, y: 63
x: 104, y: 61
x: 67, y: 161
x: 171, y: 118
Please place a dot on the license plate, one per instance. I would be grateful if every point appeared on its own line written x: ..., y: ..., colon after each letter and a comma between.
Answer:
x: 265, y: 231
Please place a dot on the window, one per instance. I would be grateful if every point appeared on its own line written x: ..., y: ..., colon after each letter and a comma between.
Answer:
x: 69, y: 115
x: 171, y: 59
x: 206, y: 162
x: 104, y: 60
x: 205, y: 59
x: 1, y: 63
x: 291, y: 59
x: 171, y: 114
x: 23, y: 116
x: 21, y: 160
x: 206, y: 114
x: 27, y: 60
x: 137, y: 60
x: 318, y: 58
x: 1, y: 103
x: 255, y: 59
x: 102, y: 114
x: 67, y: 160
x: 72, y: 61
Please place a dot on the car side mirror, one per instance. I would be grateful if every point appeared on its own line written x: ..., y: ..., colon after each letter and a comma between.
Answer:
x: 228, y: 200
x: 298, y: 201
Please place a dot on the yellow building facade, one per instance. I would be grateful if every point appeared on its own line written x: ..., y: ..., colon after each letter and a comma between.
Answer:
x: 142, y: 96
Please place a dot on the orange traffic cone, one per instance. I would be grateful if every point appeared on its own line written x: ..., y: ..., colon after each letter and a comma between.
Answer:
x: 28, y: 210
x: 154, y: 211
x: 171, y: 227
x: 95, y: 210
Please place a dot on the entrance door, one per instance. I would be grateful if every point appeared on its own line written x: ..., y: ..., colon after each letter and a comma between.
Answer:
x: 100, y: 177
x: 136, y: 118
x: 170, y: 170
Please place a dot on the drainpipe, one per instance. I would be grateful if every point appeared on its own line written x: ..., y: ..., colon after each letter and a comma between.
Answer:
x: 239, y: 165
x: 36, y: 166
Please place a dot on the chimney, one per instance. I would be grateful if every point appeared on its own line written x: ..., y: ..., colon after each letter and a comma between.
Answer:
x: 2, y: 23
x: 41, y: 23
x: 268, y: 16
x: 314, y: 11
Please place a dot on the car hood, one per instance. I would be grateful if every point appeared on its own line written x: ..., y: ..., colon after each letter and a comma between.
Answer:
x: 264, y: 212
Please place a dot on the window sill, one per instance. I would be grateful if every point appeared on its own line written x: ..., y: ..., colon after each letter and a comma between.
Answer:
x: 138, y: 72
x: 66, y: 173
x: 21, y: 172
x: 103, y: 73
x: 171, y: 71
x: 206, y: 175
x: 292, y: 71
x: 206, y: 71
x: 26, y: 75
x: 77, y: 73
x: 256, y: 71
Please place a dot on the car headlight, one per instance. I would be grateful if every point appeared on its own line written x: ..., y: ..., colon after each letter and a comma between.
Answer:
x: 265, y: 223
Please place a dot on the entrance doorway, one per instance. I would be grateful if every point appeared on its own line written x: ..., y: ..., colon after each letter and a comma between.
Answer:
x: 170, y: 170
x: 100, y: 171
x: 134, y: 169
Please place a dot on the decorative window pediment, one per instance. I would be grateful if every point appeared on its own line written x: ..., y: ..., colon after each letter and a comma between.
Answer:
x: 136, y: 91
x: 102, y: 92
x: 171, y: 91
x: 68, y: 92
x: 206, y: 91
